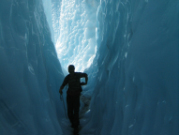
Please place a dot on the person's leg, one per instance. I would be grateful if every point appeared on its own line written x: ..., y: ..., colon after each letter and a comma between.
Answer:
x: 70, y: 109
x: 76, y: 113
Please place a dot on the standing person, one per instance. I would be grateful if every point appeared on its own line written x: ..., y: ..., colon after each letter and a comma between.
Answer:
x: 73, y: 95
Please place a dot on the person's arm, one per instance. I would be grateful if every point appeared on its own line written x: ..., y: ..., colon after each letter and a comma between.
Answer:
x: 86, y: 78
x: 63, y: 85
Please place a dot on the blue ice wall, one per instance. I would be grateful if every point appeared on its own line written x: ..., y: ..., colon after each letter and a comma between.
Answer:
x: 136, y: 85
x: 30, y: 73
x: 134, y: 74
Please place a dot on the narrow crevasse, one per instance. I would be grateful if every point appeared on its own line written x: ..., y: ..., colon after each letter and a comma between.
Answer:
x: 128, y: 48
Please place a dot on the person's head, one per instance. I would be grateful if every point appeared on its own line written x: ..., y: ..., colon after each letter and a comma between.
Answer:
x: 71, y: 69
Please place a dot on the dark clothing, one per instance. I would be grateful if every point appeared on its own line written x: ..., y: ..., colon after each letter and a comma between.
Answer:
x: 73, y: 96
x: 73, y: 81
x: 73, y: 103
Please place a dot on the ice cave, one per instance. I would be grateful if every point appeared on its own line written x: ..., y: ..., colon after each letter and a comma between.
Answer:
x: 128, y: 48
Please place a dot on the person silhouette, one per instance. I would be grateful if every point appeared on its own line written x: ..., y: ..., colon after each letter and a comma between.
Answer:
x: 73, y: 95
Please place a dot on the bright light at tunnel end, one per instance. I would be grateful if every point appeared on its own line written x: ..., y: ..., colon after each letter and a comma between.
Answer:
x: 76, y: 44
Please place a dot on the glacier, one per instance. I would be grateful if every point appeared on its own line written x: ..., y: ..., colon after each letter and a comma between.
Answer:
x: 129, y: 49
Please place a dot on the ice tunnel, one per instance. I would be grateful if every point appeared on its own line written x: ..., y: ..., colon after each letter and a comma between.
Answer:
x: 128, y: 48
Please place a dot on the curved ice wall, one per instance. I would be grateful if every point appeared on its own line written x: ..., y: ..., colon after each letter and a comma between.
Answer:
x: 134, y: 74
x: 136, y: 85
x: 30, y: 73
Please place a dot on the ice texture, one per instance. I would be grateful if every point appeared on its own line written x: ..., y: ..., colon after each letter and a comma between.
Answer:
x: 30, y: 72
x: 136, y: 85
x: 74, y: 25
x: 129, y: 48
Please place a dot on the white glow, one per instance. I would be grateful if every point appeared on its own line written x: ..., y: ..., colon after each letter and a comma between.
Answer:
x: 76, y: 44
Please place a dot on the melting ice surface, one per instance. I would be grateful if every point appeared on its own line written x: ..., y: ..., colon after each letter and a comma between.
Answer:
x: 129, y: 48
x: 77, y: 25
